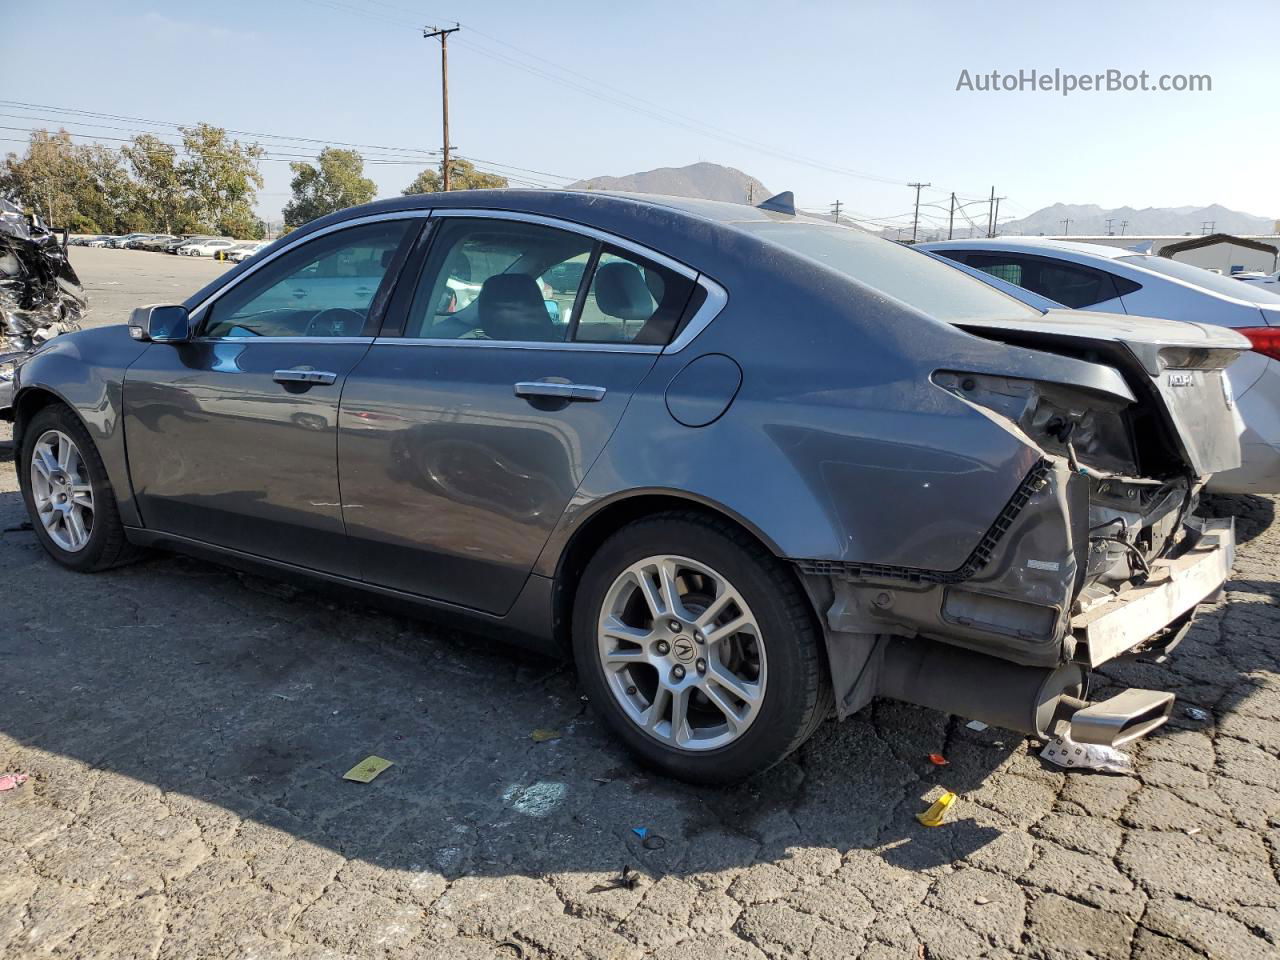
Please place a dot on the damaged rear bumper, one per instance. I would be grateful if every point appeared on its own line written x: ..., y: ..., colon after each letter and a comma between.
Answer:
x: 1005, y: 639
x: 1129, y: 622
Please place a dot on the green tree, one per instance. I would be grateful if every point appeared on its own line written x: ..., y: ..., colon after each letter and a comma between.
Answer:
x: 157, y: 193
x: 219, y: 180
x: 83, y: 187
x: 463, y: 176
x: 335, y: 182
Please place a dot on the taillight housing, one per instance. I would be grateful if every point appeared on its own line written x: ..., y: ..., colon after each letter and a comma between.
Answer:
x: 1265, y: 340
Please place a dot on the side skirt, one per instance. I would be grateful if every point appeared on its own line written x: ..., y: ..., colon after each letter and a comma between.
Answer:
x: 528, y: 624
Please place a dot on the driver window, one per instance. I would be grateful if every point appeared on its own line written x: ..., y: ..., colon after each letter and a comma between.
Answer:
x: 490, y: 279
x: 325, y: 288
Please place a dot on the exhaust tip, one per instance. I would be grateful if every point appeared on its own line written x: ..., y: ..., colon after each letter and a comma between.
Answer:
x: 1127, y: 716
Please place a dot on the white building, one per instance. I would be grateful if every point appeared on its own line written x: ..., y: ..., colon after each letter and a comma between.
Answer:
x: 1217, y: 251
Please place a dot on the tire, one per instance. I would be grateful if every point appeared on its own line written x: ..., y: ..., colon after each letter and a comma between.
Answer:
x: 776, y: 661
x: 104, y: 545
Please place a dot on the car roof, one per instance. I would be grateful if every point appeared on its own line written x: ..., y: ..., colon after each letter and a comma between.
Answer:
x: 1032, y: 244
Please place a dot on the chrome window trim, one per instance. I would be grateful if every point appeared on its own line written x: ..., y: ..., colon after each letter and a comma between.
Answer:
x: 573, y: 226
x: 716, y: 295
x: 299, y: 338
x: 257, y: 265
x: 716, y: 300
x: 521, y: 344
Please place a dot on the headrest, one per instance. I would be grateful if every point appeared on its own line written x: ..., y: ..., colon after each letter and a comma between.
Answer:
x: 510, y: 307
x: 621, y: 292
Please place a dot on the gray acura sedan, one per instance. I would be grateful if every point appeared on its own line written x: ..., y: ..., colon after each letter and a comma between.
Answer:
x: 749, y: 468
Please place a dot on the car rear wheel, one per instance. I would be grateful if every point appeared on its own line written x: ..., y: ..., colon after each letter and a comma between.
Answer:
x: 70, y: 502
x: 699, y: 648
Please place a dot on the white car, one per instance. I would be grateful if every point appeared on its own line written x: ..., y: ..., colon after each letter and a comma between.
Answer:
x: 242, y: 251
x: 1094, y: 277
x: 205, y: 248
x: 1267, y: 281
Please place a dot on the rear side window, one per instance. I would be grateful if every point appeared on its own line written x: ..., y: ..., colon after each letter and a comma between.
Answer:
x: 1070, y: 284
x: 492, y: 279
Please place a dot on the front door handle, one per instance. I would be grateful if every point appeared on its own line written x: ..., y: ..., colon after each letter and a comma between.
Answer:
x: 559, y: 391
x: 304, y: 376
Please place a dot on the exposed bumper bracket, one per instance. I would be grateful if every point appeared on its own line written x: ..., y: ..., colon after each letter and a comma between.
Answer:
x: 1177, y: 585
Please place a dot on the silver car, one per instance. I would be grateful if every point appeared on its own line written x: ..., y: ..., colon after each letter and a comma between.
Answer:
x: 753, y: 469
x: 1095, y: 277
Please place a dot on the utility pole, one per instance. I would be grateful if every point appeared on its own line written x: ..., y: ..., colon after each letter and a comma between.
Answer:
x: 991, y: 210
x: 1066, y: 226
x: 995, y: 216
x: 1110, y: 221
x: 835, y: 210
x: 443, y: 35
x: 951, y: 217
x: 1123, y: 224
x: 1206, y: 227
x: 915, y: 221
x: 751, y: 194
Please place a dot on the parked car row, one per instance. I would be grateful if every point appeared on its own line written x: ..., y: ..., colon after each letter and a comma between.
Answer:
x: 188, y: 245
x: 754, y: 469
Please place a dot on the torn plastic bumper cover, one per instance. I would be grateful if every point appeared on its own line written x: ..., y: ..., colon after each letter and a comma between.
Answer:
x: 40, y: 294
x: 1004, y: 639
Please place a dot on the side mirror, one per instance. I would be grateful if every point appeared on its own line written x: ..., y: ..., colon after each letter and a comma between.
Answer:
x: 161, y: 323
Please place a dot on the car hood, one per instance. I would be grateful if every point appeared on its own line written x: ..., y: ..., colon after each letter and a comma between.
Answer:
x: 1178, y: 366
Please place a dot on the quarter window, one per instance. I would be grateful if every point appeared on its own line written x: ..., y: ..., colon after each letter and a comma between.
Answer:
x: 631, y: 300
x: 1070, y: 284
x: 324, y: 288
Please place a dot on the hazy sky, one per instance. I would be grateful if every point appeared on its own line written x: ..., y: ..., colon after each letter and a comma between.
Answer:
x: 803, y: 95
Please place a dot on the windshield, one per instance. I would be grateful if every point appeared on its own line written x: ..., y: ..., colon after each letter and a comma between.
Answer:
x: 1227, y: 286
x: 911, y: 276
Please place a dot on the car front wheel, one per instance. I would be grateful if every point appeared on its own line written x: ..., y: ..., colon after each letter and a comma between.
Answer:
x: 71, y: 504
x: 699, y: 648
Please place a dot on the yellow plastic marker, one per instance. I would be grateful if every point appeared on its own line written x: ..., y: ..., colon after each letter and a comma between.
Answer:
x: 542, y: 736
x: 367, y: 769
x: 934, y: 816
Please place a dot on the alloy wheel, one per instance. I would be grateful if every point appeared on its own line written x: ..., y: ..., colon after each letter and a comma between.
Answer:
x: 682, y: 653
x: 61, y: 490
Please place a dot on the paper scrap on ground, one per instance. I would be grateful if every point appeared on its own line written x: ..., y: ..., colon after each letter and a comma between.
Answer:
x: 937, y: 812
x: 11, y: 780
x: 976, y: 725
x: 1065, y: 752
x: 542, y: 736
x: 366, y: 769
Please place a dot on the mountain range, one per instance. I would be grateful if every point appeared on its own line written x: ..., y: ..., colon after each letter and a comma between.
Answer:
x: 715, y: 182
x: 709, y: 181
x: 1089, y: 219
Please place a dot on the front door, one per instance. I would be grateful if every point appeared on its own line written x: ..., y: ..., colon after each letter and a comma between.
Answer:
x: 232, y: 436
x: 463, y: 437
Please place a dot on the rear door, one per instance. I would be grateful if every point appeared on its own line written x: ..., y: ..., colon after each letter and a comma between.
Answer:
x: 466, y: 429
x: 232, y: 437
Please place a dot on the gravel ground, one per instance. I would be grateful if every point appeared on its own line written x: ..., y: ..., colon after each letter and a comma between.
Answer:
x: 186, y: 730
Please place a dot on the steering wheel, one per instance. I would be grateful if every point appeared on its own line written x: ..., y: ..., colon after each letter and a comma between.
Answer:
x: 335, y: 322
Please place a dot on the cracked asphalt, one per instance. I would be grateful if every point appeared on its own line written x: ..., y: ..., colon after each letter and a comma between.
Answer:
x: 186, y: 730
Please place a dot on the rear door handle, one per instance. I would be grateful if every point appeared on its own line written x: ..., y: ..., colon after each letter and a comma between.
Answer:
x: 304, y: 376
x: 560, y: 391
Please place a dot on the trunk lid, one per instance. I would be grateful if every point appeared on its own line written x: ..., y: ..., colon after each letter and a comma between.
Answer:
x: 1180, y: 364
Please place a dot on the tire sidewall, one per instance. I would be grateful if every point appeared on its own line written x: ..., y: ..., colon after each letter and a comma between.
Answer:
x: 57, y: 417
x: 782, y: 716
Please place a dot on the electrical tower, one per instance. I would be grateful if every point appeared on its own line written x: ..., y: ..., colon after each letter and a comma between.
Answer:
x: 835, y: 210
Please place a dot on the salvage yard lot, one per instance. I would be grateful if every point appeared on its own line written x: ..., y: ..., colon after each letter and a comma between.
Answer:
x: 186, y: 730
